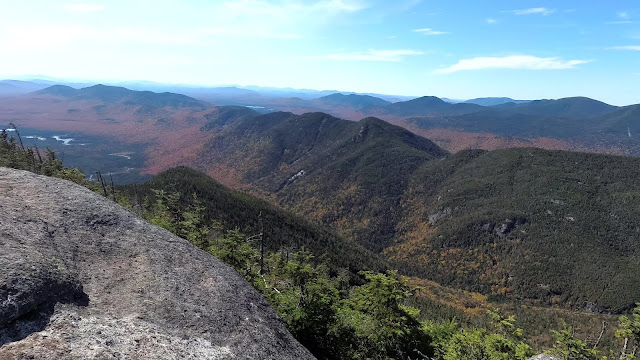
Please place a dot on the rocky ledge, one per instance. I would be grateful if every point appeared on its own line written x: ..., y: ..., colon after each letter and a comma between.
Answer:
x: 81, y: 277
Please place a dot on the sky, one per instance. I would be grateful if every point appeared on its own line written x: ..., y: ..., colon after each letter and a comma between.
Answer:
x: 454, y: 49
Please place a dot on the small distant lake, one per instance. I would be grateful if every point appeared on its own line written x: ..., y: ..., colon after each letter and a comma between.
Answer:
x: 89, y: 153
x: 260, y: 109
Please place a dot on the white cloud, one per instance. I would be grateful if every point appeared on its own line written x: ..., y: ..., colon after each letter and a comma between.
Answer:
x: 620, y: 22
x: 624, y: 18
x: 628, y: 47
x: 373, y: 55
x: 491, y: 21
x: 531, y: 11
x: 526, y: 62
x: 427, y: 31
x: 82, y: 7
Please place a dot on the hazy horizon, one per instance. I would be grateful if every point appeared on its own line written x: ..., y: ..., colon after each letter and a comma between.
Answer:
x: 456, y: 50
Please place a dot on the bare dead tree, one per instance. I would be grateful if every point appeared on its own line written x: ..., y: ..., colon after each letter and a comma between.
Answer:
x: 38, y: 153
x: 101, y: 181
x: 260, y: 220
x: 17, y: 133
x: 623, y: 354
x: 604, y: 326
x: 113, y: 188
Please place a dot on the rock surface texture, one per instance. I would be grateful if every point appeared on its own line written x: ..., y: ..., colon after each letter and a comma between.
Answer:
x: 544, y: 357
x: 83, y: 278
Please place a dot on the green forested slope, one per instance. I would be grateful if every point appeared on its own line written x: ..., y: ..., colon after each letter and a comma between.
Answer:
x: 233, y: 209
x: 527, y: 223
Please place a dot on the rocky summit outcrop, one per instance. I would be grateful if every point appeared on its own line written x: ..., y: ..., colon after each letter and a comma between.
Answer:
x: 83, y: 278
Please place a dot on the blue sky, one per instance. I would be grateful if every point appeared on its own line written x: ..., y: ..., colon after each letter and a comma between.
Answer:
x: 455, y: 49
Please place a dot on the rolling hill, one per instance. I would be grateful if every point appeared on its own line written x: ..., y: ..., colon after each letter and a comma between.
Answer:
x: 573, y: 124
x: 352, y: 100
x: 429, y: 106
x: 574, y: 107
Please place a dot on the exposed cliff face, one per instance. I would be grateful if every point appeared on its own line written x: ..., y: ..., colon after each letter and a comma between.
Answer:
x: 82, y: 277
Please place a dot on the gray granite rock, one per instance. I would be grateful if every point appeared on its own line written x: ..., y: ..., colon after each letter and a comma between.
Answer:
x: 544, y: 357
x: 83, y: 278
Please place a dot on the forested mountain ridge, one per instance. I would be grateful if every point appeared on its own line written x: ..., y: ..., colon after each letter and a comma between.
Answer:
x: 516, y: 223
x: 556, y: 226
x: 572, y: 107
x: 362, y: 168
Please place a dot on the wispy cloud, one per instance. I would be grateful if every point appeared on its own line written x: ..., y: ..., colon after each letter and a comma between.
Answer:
x: 623, y: 18
x: 623, y: 15
x: 82, y: 7
x: 526, y: 62
x: 533, y: 11
x: 491, y: 21
x: 628, y: 47
x: 620, y: 22
x: 373, y: 55
x: 428, y: 31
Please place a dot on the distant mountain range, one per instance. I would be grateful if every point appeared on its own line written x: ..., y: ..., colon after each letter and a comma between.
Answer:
x: 352, y: 100
x: 15, y: 87
x: 492, y: 101
x: 112, y: 94
x: 572, y: 123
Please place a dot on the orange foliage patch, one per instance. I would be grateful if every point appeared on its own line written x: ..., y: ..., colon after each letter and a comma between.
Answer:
x: 469, y: 302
